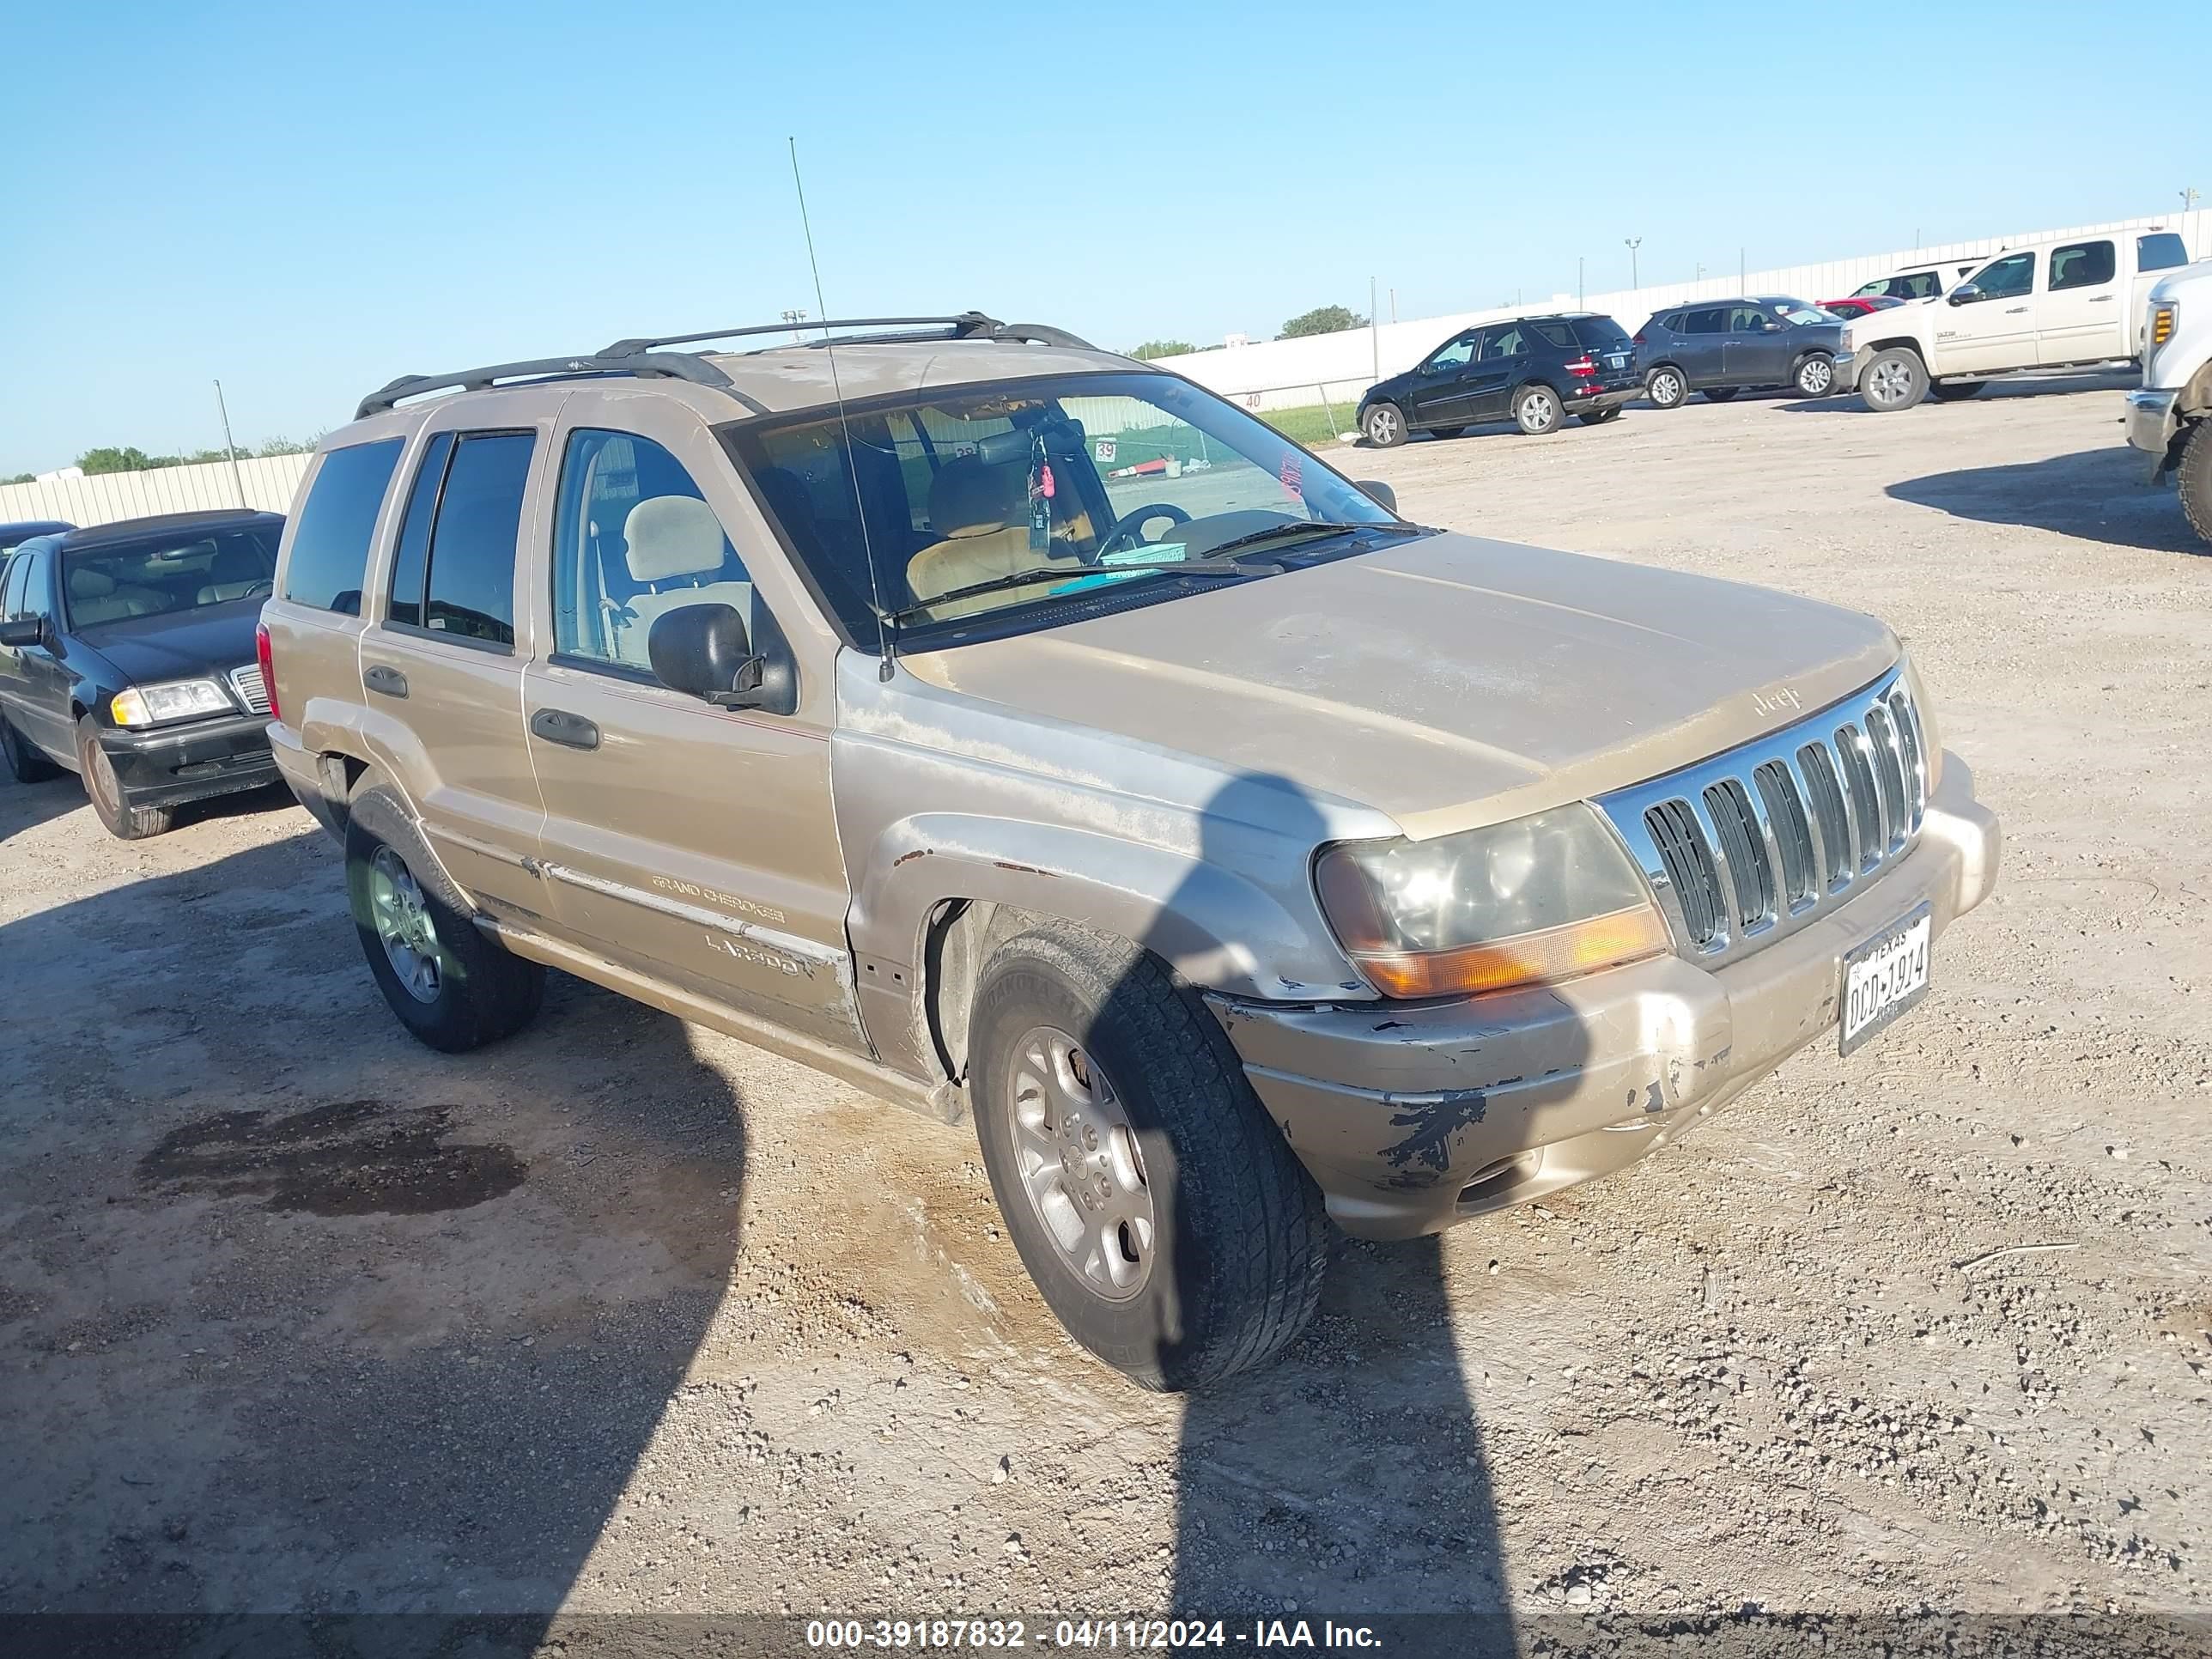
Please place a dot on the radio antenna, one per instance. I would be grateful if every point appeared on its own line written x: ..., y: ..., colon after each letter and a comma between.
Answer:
x: 886, y: 636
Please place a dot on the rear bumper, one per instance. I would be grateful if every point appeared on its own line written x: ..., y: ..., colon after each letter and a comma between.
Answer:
x: 1611, y: 397
x: 2151, y: 423
x: 304, y: 773
x: 1413, y: 1117
x: 213, y: 757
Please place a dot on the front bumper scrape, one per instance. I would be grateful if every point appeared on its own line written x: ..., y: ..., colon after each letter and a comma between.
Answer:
x: 1411, y: 1117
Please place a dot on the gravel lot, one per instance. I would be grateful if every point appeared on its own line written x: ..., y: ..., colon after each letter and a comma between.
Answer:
x: 625, y: 1316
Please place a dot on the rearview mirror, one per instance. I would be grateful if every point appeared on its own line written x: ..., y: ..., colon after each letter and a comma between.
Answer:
x: 702, y: 650
x: 23, y: 630
x: 1965, y: 293
x: 1378, y: 492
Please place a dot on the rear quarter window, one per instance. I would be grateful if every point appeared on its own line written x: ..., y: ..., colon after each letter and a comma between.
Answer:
x: 2160, y: 251
x: 1555, y: 334
x: 330, y: 536
x: 1600, y: 334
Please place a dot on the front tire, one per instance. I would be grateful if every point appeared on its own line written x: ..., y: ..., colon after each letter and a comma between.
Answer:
x: 1666, y: 387
x: 1536, y: 410
x: 1155, y: 1204
x: 1815, y: 376
x: 451, y: 986
x: 26, y: 763
x: 1896, y: 380
x: 1952, y: 391
x: 1384, y: 425
x: 104, y: 791
x: 2193, y: 473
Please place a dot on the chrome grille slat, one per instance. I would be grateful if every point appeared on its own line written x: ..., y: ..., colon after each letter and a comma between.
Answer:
x: 1751, y: 844
x: 247, y: 682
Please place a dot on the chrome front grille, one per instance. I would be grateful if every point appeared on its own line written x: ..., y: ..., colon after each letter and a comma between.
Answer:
x: 1751, y: 844
x: 247, y: 682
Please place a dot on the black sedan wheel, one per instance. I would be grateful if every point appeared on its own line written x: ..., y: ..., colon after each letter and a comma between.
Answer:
x: 1816, y: 376
x: 105, y: 790
x: 1384, y: 425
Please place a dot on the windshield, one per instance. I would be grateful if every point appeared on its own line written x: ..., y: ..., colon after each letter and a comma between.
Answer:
x: 116, y: 583
x: 1052, y: 494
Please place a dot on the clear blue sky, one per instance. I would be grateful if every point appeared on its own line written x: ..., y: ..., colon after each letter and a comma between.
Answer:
x: 309, y: 199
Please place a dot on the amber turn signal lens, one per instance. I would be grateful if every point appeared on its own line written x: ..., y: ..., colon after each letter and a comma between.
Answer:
x: 2161, y: 325
x: 1556, y: 953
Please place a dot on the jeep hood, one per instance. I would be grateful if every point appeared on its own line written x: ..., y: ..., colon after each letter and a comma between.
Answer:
x: 1447, y: 682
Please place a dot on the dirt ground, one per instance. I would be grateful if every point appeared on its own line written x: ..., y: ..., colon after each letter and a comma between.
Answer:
x: 623, y: 1316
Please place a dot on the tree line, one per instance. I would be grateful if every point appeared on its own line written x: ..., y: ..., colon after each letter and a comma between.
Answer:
x: 128, y: 457
x: 1321, y: 320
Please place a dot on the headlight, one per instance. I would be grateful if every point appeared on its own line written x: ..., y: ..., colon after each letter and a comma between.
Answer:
x: 173, y: 700
x: 1541, y: 898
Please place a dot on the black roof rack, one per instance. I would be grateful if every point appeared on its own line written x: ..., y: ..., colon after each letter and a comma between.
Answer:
x: 966, y: 325
x: 681, y: 366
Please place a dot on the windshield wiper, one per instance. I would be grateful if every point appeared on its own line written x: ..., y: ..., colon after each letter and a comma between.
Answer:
x: 1064, y: 573
x: 1296, y: 528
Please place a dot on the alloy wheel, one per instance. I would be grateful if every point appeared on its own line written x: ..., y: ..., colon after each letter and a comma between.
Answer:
x: 1815, y: 378
x: 1889, y: 382
x: 1077, y: 1154
x: 403, y: 925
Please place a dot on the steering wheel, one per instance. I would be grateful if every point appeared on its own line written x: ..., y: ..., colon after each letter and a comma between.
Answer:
x: 260, y: 590
x: 1132, y: 525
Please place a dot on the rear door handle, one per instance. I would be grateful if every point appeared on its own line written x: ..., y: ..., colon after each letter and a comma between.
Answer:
x: 389, y: 681
x: 570, y: 731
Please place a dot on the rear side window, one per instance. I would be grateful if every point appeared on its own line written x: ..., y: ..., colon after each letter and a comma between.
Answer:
x: 1712, y: 320
x: 1506, y: 340
x: 2081, y: 264
x: 1918, y: 286
x: 410, y: 564
x: 1555, y: 334
x: 330, y: 541
x: 469, y: 590
x: 2160, y: 251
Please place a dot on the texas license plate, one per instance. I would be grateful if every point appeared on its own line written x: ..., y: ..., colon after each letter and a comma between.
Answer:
x: 1619, y: 360
x: 1885, y: 977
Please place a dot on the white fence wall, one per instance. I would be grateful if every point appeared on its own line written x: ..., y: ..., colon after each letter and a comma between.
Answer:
x: 269, y: 482
x: 1285, y: 374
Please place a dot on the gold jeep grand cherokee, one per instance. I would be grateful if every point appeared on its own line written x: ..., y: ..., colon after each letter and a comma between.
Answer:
x: 1022, y: 732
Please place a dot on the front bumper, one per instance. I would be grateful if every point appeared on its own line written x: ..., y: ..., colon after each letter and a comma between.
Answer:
x: 1413, y: 1117
x: 220, y: 757
x: 1849, y: 367
x: 2151, y: 423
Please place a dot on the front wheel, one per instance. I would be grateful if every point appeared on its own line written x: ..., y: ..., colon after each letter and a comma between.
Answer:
x: 1952, y: 391
x: 1536, y: 410
x: 1666, y: 387
x: 1815, y: 377
x: 1154, y: 1202
x: 2193, y: 473
x: 1384, y: 425
x: 1896, y: 380
x: 105, y: 790
x: 453, y: 987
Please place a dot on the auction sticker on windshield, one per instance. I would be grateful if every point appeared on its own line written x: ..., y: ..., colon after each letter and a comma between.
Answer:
x: 1885, y: 977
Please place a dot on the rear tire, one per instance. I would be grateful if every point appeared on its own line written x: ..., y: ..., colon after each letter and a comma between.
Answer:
x: 1952, y: 391
x: 27, y: 762
x: 1447, y: 431
x: 2192, y: 472
x: 1599, y: 417
x: 1896, y: 380
x: 1815, y: 376
x: 1667, y: 386
x: 1384, y: 425
x: 1536, y: 410
x: 449, y: 984
x: 1094, y: 1072
x: 104, y: 791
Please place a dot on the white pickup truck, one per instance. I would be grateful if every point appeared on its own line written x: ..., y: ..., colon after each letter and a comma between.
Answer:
x: 2169, y: 417
x: 2041, y: 304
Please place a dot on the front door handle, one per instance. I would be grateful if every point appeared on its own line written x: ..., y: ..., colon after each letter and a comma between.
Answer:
x: 570, y: 731
x: 2017, y: 311
x: 388, y: 681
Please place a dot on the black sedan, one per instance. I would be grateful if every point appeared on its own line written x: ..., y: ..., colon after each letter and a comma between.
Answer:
x: 127, y: 656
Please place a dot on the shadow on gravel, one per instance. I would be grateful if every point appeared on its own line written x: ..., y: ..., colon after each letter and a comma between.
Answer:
x: 2096, y: 493
x: 25, y: 806
x: 1998, y: 389
x: 303, y: 1317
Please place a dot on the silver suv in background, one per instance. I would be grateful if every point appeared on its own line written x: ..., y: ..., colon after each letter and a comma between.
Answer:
x: 1027, y: 735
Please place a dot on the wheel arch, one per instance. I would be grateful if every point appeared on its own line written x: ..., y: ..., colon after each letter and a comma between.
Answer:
x: 1903, y: 341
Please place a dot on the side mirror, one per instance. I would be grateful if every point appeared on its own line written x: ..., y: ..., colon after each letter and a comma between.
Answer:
x: 1768, y: 325
x: 23, y: 630
x: 1965, y: 295
x: 1378, y: 491
x: 701, y: 649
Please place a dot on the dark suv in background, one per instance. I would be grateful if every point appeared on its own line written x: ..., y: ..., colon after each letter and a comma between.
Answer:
x: 1721, y: 347
x: 1534, y: 371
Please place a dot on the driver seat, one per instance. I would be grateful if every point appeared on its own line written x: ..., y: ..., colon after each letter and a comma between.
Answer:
x: 234, y: 572
x: 983, y: 512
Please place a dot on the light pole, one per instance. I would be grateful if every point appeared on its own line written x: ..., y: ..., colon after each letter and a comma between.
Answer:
x: 229, y: 448
x: 1634, y: 243
x: 1578, y: 281
x: 1374, y: 333
x: 2189, y: 199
